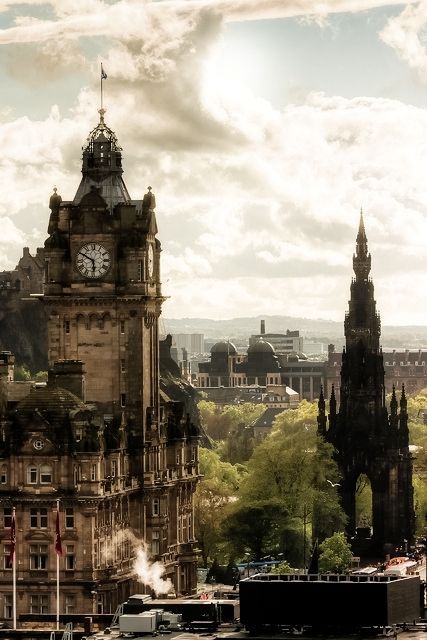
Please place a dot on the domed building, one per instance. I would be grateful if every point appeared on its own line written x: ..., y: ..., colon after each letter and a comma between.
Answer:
x: 216, y: 373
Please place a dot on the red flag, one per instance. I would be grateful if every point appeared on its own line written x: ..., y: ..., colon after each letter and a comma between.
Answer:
x: 12, y: 540
x: 58, y: 541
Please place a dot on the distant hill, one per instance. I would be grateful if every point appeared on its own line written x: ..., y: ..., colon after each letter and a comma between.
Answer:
x: 319, y: 330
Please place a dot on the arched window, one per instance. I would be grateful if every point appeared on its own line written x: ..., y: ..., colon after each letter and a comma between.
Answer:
x: 32, y: 475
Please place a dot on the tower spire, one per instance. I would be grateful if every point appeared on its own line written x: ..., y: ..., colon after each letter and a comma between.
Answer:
x: 361, y: 259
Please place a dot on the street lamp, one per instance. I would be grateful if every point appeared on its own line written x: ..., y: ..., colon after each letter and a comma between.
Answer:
x: 248, y: 555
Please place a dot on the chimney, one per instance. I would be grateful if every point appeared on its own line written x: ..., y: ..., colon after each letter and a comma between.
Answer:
x: 262, y: 327
x: 69, y: 375
x: 7, y: 365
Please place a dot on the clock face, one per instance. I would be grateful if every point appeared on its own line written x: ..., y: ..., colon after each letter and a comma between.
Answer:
x: 93, y: 260
x: 150, y: 261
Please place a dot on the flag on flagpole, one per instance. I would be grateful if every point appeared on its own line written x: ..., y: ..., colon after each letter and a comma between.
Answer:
x: 103, y: 74
x: 12, y: 540
x: 58, y: 541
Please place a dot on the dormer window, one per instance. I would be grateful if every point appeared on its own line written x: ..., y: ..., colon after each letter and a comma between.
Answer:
x: 45, y: 474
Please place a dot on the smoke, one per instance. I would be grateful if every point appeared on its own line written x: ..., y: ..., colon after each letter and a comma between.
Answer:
x: 151, y: 574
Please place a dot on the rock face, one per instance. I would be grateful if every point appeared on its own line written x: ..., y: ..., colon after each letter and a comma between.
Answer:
x: 23, y: 326
x: 23, y: 330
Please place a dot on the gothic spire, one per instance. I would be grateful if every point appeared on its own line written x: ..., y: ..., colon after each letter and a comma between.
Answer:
x: 393, y: 402
x: 321, y: 418
x: 333, y: 403
x: 361, y: 259
x: 403, y: 400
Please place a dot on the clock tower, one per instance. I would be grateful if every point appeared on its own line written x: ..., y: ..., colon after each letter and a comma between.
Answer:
x: 103, y: 291
x: 103, y: 300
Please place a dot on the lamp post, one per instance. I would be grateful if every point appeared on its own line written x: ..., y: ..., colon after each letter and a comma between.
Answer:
x: 247, y: 562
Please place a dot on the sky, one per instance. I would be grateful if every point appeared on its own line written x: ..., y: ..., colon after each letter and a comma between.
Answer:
x: 263, y: 126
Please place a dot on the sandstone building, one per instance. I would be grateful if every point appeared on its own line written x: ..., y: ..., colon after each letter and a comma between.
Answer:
x: 102, y: 437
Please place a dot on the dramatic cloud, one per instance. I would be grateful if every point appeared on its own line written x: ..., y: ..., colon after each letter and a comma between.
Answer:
x: 257, y: 206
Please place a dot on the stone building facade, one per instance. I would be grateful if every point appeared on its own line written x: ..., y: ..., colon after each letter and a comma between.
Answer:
x: 407, y: 367
x: 119, y: 454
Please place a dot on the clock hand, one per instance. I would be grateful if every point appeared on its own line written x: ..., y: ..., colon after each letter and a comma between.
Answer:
x: 85, y: 255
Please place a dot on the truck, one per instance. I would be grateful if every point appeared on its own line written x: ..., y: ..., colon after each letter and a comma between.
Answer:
x: 150, y: 622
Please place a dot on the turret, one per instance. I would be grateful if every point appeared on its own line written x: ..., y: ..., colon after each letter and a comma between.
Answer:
x: 102, y: 166
x: 321, y: 417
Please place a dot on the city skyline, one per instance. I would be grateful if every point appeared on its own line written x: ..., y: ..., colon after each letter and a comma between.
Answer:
x: 262, y: 127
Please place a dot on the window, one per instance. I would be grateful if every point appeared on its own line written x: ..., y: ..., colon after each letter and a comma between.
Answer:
x: 78, y: 434
x: 155, y: 543
x: 70, y: 604
x: 38, y: 518
x: 122, y: 326
x: 69, y: 518
x: 39, y: 603
x: 38, y: 557
x: 93, y: 474
x: 113, y: 468
x: 7, y: 517
x: 8, y: 606
x: 3, y: 474
x: 156, y: 506
x: 122, y: 399
x: 123, y: 365
x: 178, y: 458
x: 140, y: 270
x: 67, y: 326
x: 32, y: 475
x: 69, y: 557
x: 45, y: 474
x: 6, y: 557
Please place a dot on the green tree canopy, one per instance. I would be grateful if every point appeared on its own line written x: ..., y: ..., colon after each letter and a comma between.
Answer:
x: 335, y: 554
x: 289, y: 470
x: 214, y: 492
x: 21, y: 373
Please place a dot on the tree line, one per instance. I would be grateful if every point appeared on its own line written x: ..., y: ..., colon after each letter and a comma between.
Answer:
x: 272, y: 498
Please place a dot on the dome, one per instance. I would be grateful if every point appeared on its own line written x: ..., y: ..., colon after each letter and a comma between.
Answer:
x: 51, y: 402
x: 224, y: 347
x: 261, y: 346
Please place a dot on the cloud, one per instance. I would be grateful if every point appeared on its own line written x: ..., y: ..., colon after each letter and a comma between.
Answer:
x: 257, y: 206
x: 405, y: 33
x: 127, y: 19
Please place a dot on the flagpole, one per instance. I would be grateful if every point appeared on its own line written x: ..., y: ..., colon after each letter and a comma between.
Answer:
x: 14, y: 569
x: 101, y: 84
x: 57, y: 573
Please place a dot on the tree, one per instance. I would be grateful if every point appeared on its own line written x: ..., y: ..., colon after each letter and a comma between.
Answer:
x: 418, y: 437
x: 21, y: 373
x: 254, y: 528
x: 41, y: 376
x: 283, y: 567
x: 335, y: 554
x: 217, y: 489
x: 223, y: 423
x: 289, y: 469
